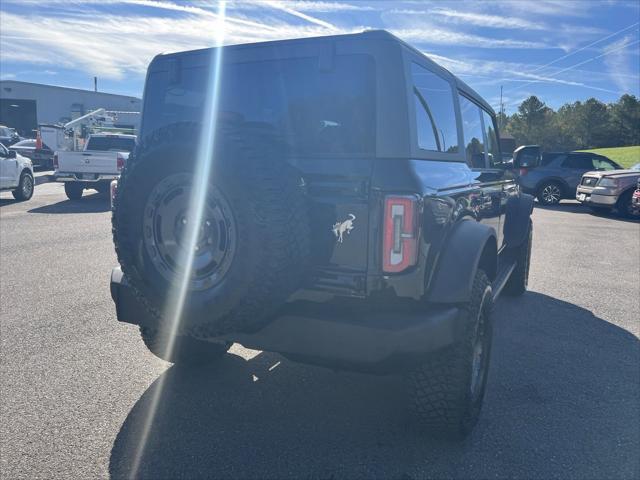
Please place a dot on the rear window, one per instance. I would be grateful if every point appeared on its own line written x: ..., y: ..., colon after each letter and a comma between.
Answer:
x: 112, y: 144
x: 317, y: 111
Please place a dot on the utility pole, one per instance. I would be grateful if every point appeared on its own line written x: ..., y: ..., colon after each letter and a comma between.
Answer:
x: 95, y: 84
x: 501, y: 108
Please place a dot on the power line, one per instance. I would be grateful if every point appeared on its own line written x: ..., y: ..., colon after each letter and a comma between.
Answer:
x: 619, y: 47
x: 584, y: 48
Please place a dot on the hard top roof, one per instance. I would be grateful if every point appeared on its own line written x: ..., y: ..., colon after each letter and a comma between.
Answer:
x: 367, y: 34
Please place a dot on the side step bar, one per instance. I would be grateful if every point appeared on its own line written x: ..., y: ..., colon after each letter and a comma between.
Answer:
x: 504, y: 273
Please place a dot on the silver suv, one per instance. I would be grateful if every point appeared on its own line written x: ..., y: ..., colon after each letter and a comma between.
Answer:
x: 606, y: 190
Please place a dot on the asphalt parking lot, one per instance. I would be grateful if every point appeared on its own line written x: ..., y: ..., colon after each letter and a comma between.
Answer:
x: 563, y: 398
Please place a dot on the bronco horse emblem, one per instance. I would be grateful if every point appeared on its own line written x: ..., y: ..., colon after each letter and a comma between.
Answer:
x: 340, y: 228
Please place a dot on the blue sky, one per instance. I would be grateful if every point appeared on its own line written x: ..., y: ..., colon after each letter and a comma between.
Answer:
x: 560, y: 50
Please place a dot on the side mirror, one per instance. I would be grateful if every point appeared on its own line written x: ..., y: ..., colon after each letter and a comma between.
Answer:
x: 527, y: 156
x: 11, y: 154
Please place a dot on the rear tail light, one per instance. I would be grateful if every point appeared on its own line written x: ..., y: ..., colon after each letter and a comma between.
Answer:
x: 119, y: 162
x: 400, y: 241
x: 523, y: 172
x: 55, y: 161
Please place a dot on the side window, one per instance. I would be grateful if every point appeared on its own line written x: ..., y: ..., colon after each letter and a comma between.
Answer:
x: 472, y: 128
x: 579, y: 162
x: 435, y: 113
x: 3, y: 151
x: 601, y: 163
x: 493, y: 146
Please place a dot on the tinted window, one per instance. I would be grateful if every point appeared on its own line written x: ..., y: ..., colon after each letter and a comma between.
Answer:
x: 547, y: 158
x: 493, y: 146
x: 602, y: 163
x: 113, y: 144
x: 435, y: 113
x: 472, y: 129
x: 579, y: 162
x: 316, y: 111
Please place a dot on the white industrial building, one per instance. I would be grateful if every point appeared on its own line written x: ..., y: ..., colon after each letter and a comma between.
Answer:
x: 24, y: 106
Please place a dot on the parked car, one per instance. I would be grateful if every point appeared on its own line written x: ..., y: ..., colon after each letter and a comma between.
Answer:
x: 101, y: 161
x: 556, y: 175
x: 8, y: 136
x: 40, y: 157
x: 16, y: 174
x: 606, y: 190
x: 348, y: 208
x: 635, y: 199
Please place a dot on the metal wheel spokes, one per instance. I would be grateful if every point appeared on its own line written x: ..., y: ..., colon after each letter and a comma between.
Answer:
x: 27, y: 186
x: 551, y: 194
x: 168, y: 221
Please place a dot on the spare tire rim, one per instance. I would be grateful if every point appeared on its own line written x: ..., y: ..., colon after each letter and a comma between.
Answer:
x: 169, y: 217
x: 551, y: 194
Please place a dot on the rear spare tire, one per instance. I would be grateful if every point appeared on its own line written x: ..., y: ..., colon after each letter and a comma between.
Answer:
x: 247, y: 249
x: 73, y: 190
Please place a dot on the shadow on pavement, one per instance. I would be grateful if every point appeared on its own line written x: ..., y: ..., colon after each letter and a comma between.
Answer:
x: 562, y: 402
x: 583, y: 209
x: 89, y: 203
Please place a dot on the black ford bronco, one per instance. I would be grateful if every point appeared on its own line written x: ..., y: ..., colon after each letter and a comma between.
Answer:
x: 339, y: 200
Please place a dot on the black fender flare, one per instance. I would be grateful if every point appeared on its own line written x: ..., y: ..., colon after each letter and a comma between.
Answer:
x: 518, y: 214
x: 456, y: 268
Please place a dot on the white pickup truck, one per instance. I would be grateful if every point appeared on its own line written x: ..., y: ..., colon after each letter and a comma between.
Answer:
x: 101, y: 161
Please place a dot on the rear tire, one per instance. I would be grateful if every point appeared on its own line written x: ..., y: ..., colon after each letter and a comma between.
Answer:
x: 73, y: 190
x: 25, y: 187
x: 447, y: 390
x: 550, y: 193
x: 519, y: 279
x: 185, y: 350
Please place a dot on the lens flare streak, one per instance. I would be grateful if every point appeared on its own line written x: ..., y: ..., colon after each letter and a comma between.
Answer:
x: 174, y: 307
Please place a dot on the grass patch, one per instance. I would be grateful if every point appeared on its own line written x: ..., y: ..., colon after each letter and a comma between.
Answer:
x: 625, y: 156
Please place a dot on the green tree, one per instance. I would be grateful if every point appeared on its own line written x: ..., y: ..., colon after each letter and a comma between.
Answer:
x: 625, y: 120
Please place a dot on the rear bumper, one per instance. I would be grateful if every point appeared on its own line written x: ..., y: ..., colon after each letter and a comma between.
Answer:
x: 85, y: 177
x: 331, y: 335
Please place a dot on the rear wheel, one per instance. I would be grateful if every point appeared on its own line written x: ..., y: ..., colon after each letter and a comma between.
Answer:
x: 447, y: 390
x: 73, y: 190
x: 625, y: 206
x: 183, y: 349
x: 550, y: 193
x: 25, y: 187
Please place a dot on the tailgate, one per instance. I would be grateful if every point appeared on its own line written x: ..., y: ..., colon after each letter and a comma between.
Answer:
x: 88, y: 162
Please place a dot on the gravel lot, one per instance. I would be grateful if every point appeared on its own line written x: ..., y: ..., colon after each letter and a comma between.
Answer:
x: 563, y: 397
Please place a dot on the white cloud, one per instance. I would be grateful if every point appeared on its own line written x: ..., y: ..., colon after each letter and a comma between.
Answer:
x: 621, y: 63
x: 296, y: 13
x: 328, y: 7
x: 111, y: 46
x: 440, y: 36
x: 486, y: 20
